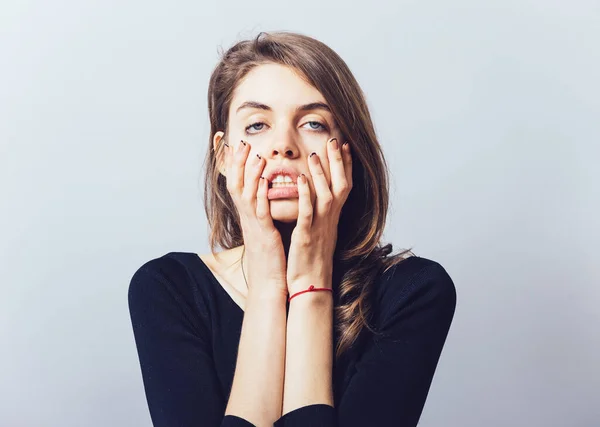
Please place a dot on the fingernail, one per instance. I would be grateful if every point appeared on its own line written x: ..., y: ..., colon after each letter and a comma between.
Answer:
x: 302, y: 178
x: 334, y: 143
x: 314, y: 158
x: 243, y: 143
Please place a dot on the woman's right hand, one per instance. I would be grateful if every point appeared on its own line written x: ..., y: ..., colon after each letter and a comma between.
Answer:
x: 264, y: 261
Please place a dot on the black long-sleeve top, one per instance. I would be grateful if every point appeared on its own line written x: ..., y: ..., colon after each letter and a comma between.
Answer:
x: 187, y: 330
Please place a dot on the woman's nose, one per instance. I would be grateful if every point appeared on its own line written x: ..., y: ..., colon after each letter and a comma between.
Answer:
x: 283, y: 144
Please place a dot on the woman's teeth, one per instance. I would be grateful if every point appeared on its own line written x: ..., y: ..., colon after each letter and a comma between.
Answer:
x: 282, y: 184
x: 282, y: 181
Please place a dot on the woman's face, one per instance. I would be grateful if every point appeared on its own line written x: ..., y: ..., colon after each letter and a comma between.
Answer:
x: 282, y: 132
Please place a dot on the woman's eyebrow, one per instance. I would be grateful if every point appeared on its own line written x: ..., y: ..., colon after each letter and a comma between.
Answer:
x: 300, y: 108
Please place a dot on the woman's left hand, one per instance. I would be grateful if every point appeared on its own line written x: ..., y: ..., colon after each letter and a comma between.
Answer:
x: 313, y: 241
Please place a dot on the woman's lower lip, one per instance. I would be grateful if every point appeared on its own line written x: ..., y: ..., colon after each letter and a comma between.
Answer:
x: 282, y: 192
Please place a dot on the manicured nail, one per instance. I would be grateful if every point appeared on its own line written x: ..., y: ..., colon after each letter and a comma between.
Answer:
x: 302, y: 178
x: 334, y: 143
x: 314, y: 158
x: 243, y: 143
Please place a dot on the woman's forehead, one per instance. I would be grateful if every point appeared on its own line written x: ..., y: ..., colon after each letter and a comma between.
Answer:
x: 276, y: 86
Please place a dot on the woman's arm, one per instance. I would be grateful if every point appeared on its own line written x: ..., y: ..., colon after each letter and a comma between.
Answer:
x: 392, y: 377
x: 309, y: 351
x: 176, y: 357
x: 309, y: 346
x: 257, y: 389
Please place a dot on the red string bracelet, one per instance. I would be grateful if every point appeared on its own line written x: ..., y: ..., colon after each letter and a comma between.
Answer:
x: 311, y: 288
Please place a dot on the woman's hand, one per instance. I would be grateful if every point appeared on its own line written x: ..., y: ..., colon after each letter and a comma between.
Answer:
x: 262, y: 240
x: 310, y: 258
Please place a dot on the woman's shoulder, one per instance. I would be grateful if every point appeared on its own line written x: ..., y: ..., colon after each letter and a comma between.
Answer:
x: 410, y: 267
x: 173, y: 267
x: 413, y: 282
x: 173, y: 275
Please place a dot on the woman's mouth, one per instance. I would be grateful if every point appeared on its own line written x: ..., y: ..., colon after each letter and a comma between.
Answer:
x: 281, y: 184
x: 282, y: 191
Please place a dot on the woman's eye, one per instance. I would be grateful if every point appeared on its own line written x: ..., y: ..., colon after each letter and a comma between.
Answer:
x: 253, y: 125
x: 321, y: 127
x: 258, y: 126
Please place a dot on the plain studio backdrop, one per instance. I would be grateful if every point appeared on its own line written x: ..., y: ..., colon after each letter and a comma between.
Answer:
x: 488, y: 114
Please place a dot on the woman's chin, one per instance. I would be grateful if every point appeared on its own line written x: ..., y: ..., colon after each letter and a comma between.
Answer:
x: 284, y: 210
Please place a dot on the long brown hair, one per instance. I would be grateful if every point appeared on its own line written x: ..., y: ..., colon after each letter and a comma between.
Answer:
x: 359, y: 257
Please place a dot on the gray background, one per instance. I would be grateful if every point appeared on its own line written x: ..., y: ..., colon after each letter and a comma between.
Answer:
x: 488, y: 113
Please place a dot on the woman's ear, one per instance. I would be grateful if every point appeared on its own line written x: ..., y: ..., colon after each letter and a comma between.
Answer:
x: 218, y: 148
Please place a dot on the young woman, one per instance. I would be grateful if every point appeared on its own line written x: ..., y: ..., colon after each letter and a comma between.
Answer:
x: 304, y: 318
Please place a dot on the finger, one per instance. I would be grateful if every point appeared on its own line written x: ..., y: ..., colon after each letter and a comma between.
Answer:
x: 324, y: 196
x: 239, y: 154
x: 228, y: 154
x: 253, y: 170
x: 336, y: 167
x: 222, y: 157
x: 263, y: 212
x: 347, y: 156
x: 305, y: 207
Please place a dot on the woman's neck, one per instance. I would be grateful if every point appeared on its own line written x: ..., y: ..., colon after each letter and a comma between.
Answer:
x: 285, y: 229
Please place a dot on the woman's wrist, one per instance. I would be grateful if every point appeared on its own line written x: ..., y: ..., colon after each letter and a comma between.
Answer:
x: 273, y: 295
x: 317, y: 291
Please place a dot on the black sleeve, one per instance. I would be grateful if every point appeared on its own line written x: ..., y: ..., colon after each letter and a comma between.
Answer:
x: 392, y: 378
x: 173, y: 347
